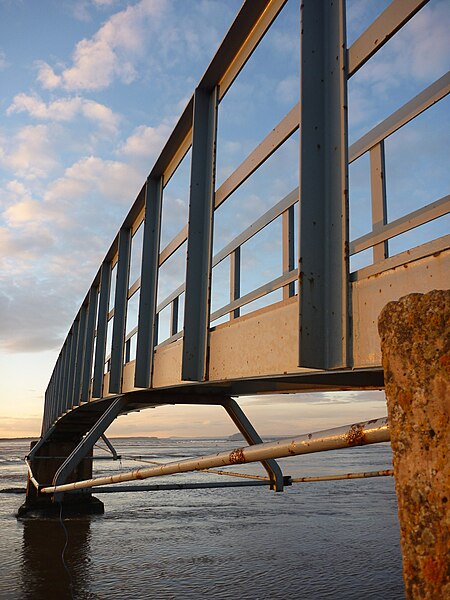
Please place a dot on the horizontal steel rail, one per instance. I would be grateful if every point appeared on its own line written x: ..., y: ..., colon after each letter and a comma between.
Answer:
x: 265, y: 289
x: 429, y: 96
x: 273, y: 213
x: 403, y: 258
x: 410, y: 221
x: 267, y: 218
x: 397, y: 14
x: 368, y: 432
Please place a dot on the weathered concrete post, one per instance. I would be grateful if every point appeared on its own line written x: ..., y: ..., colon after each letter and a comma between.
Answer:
x: 415, y: 343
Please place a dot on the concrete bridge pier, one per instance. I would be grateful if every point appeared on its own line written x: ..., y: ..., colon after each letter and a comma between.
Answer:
x: 44, y: 466
x: 415, y: 341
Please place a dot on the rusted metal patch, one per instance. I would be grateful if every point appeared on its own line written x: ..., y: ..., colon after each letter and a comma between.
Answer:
x: 237, y: 456
x: 356, y: 435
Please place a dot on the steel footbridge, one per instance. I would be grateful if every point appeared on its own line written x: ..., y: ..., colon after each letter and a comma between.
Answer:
x: 312, y: 327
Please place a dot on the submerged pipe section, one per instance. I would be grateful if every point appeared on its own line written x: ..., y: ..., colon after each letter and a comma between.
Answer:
x: 358, y: 434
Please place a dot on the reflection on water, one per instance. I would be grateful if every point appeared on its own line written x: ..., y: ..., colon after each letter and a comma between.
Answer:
x: 44, y: 575
x: 330, y: 540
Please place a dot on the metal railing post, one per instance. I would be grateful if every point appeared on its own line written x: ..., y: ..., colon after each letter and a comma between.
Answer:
x: 72, y: 363
x: 200, y: 233
x: 323, y: 207
x: 102, y: 325
x: 79, y: 356
x: 147, y: 319
x: 174, y: 315
x: 89, y: 344
x: 378, y: 194
x: 120, y: 311
x: 66, y: 372
x: 235, y: 280
x: 288, y: 249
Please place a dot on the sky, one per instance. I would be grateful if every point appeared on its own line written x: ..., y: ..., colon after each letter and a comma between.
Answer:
x: 91, y: 90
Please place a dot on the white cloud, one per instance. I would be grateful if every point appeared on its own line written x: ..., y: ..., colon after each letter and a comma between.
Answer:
x: 109, y: 54
x: 64, y: 109
x: 31, y: 154
x: 28, y: 323
x: 46, y: 76
x: 146, y: 141
x: 115, y: 181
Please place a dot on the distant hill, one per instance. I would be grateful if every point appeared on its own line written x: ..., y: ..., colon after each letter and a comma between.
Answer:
x: 236, y: 437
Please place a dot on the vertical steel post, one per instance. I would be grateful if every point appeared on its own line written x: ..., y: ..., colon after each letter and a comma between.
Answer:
x: 64, y: 402
x: 147, y: 322
x: 127, y: 351
x: 89, y: 344
x: 45, y: 418
x: 72, y: 363
x: 235, y: 280
x: 102, y: 325
x: 58, y: 386
x: 378, y: 193
x: 120, y: 311
x: 58, y: 383
x: 49, y: 400
x: 79, y: 356
x: 200, y: 233
x: 288, y: 249
x: 323, y: 206
x: 47, y: 407
x: 174, y: 315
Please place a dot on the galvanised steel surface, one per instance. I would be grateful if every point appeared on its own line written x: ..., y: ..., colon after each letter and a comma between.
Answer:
x: 322, y: 334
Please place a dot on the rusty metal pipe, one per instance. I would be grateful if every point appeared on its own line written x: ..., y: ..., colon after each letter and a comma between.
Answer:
x: 385, y: 473
x: 30, y: 475
x: 368, y: 432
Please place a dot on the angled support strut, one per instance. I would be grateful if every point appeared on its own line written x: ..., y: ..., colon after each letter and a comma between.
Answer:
x: 87, y: 443
x: 251, y: 437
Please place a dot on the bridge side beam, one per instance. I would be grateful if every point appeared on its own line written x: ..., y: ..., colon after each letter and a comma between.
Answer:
x: 323, y: 206
x: 200, y: 233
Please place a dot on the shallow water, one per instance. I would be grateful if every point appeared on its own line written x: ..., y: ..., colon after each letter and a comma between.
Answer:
x: 337, y: 539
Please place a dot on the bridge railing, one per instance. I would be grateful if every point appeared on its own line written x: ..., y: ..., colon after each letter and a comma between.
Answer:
x: 374, y: 143
x: 120, y: 320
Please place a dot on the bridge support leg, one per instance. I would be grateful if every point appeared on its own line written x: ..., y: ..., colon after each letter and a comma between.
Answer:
x: 44, y: 464
x: 251, y: 437
x: 49, y: 467
x: 85, y: 447
x: 415, y: 341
